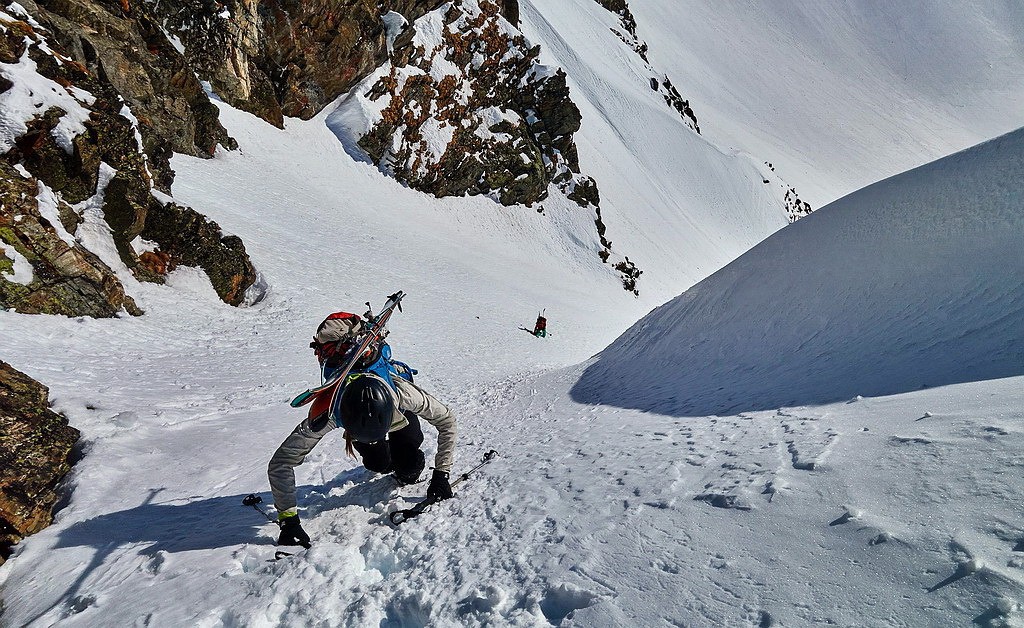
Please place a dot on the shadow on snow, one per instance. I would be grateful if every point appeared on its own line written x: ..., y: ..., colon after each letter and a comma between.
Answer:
x: 914, y: 282
x: 216, y: 521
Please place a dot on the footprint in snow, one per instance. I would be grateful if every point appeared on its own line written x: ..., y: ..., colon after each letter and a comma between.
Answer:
x: 561, y: 602
x: 482, y: 601
x: 909, y: 440
x: 963, y: 570
x: 808, y: 447
x: 729, y: 502
x: 992, y: 430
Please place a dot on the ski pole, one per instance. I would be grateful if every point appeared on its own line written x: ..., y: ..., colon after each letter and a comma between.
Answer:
x: 254, y: 500
x: 465, y: 476
x: 401, y: 516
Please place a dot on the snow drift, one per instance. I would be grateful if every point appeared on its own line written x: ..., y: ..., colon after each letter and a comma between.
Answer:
x: 916, y: 281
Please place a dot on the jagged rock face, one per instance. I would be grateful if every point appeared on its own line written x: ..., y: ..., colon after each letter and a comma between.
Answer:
x: 35, y: 455
x: 464, y: 107
x: 120, y: 43
x: 631, y: 39
x: 327, y: 46
x: 278, y: 58
x: 188, y: 238
x: 795, y: 207
x: 673, y: 99
x: 42, y: 273
x: 74, y: 157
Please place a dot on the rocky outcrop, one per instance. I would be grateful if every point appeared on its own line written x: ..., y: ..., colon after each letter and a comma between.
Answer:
x: 188, y: 238
x: 629, y: 37
x: 673, y: 99
x: 795, y: 207
x: 36, y: 447
x: 120, y: 43
x: 277, y: 58
x: 42, y: 273
x: 78, y: 167
x: 496, y: 122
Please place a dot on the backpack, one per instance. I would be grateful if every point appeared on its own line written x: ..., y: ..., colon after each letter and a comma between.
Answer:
x: 336, y: 336
x: 542, y: 324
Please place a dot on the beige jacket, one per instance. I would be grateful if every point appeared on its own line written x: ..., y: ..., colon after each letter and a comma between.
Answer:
x: 305, y: 436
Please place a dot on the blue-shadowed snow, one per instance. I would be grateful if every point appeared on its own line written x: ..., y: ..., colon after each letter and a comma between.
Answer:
x: 914, y: 282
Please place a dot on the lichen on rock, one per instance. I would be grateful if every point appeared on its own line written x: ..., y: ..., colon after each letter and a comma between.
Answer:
x: 36, y: 447
x: 122, y: 45
x: 462, y: 109
x: 66, y: 278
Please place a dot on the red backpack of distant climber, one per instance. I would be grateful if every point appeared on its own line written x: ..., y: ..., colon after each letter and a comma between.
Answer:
x: 541, y: 325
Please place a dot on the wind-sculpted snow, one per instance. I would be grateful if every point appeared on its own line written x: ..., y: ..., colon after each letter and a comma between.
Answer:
x: 915, y: 282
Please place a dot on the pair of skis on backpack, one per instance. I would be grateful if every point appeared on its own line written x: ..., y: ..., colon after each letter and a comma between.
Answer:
x: 353, y: 355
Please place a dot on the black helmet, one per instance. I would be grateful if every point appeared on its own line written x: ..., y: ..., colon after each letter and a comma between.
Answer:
x: 367, y: 407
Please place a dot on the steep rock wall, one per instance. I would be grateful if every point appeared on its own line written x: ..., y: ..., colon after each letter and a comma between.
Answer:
x: 80, y: 167
x: 36, y: 447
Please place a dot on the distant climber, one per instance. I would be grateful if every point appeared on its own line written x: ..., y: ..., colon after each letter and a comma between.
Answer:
x: 378, y: 406
x: 540, y: 328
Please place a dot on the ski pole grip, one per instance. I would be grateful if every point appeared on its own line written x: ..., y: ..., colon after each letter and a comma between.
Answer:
x: 401, y: 516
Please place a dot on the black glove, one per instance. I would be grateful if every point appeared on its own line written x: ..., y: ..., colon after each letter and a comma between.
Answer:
x: 439, y: 488
x: 292, y: 533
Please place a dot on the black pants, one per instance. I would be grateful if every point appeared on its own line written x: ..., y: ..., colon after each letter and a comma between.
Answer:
x: 399, y: 452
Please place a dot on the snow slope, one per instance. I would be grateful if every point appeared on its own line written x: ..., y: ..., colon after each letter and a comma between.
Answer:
x: 182, y: 408
x: 838, y: 95
x: 913, y: 282
x: 673, y: 202
x: 890, y: 511
x: 595, y: 513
